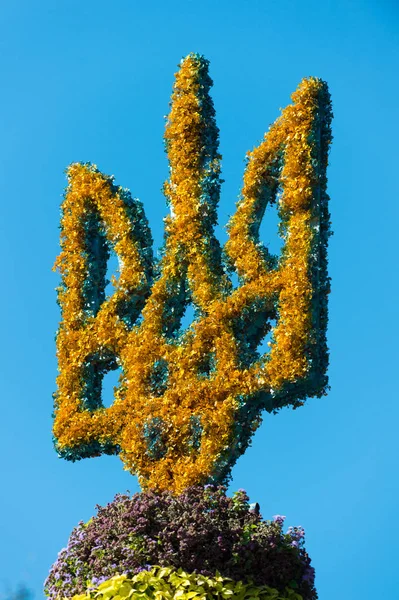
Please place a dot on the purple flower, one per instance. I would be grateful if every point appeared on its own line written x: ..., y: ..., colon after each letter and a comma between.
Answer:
x: 309, y: 575
x: 279, y: 519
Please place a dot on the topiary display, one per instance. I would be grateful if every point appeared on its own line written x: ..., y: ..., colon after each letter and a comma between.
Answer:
x: 202, y: 531
x: 189, y: 401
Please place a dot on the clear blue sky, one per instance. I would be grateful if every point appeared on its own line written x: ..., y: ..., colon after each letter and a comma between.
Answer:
x: 90, y: 80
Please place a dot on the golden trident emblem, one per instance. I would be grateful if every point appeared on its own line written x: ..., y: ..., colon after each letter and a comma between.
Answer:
x: 188, y: 402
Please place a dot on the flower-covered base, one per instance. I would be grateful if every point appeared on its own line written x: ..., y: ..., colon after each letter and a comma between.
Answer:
x: 168, y: 583
x: 202, y: 531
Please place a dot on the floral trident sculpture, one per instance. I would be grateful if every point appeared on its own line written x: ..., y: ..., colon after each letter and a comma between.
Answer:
x: 188, y: 401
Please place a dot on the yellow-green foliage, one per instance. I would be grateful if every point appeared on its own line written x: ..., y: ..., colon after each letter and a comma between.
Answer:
x: 167, y: 584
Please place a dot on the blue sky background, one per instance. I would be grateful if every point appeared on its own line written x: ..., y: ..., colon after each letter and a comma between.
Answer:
x: 91, y: 81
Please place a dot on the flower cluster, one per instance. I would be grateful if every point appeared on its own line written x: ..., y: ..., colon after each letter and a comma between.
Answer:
x: 201, y: 531
x: 188, y: 402
x: 170, y: 584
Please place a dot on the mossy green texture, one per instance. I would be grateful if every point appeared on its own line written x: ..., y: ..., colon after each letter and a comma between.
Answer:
x: 162, y: 583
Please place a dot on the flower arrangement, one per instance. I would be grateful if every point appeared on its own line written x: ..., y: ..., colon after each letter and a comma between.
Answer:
x: 202, y: 531
x: 188, y: 402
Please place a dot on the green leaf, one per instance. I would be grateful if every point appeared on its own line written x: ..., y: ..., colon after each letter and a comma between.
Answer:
x: 166, y: 583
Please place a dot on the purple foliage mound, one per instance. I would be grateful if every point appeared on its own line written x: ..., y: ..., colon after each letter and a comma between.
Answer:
x: 202, y: 531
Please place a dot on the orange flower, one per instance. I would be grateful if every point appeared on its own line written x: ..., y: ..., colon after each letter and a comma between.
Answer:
x: 187, y: 404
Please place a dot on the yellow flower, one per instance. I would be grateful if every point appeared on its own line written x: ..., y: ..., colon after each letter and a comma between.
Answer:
x: 190, y: 427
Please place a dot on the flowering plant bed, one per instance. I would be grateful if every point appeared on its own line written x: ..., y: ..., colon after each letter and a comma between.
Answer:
x: 202, y: 531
